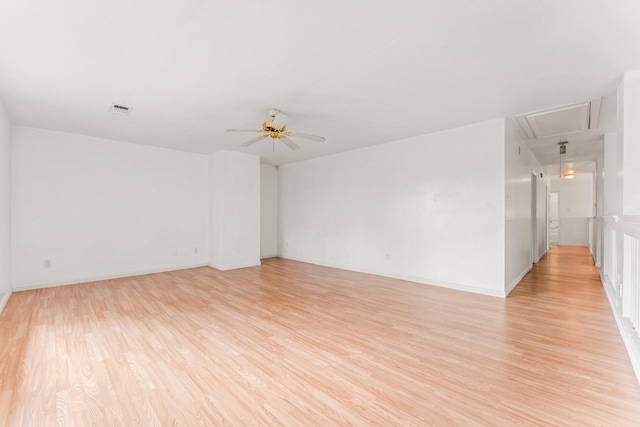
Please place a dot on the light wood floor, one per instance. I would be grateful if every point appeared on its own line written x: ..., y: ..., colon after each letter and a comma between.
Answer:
x: 295, y: 344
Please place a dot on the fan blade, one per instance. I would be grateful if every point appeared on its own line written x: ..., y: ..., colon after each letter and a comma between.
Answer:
x: 242, y: 130
x: 289, y: 143
x: 252, y: 141
x: 280, y: 120
x: 307, y: 136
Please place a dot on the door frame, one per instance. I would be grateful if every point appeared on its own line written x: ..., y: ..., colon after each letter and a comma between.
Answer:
x: 557, y: 243
x: 534, y: 217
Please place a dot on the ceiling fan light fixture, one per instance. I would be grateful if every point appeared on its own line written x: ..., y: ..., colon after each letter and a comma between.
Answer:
x: 276, y: 129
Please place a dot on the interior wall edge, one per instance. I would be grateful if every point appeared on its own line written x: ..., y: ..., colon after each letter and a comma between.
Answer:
x: 511, y: 286
x: 4, y: 299
x: 5, y: 205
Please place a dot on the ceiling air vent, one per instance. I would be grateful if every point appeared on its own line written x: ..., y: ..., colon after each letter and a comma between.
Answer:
x: 561, y: 120
x: 119, y: 109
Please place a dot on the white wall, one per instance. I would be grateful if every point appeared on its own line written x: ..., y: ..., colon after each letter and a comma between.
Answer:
x: 235, y: 210
x: 5, y: 207
x: 599, y: 184
x: 519, y: 164
x: 100, y: 208
x: 629, y: 135
x: 216, y: 209
x: 433, y: 203
x: 612, y: 172
x: 576, y: 206
x: 268, y: 211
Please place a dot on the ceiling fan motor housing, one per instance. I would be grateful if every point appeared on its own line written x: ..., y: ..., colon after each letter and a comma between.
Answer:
x: 277, y: 129
x: 273, y: 131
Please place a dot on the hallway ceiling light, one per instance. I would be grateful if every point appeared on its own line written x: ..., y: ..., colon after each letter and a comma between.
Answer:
x: 563, y: 150
x: 569, y: 174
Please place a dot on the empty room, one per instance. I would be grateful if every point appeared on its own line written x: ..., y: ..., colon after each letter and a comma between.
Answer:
x: 231, y: 213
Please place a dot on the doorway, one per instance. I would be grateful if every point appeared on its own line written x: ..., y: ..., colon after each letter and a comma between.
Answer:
x: 554, y: 225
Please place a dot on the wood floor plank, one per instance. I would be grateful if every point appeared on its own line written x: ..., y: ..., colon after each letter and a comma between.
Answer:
x: 290, y: 343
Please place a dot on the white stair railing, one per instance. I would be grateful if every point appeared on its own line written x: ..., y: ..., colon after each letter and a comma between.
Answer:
x: 630, y: 276
x: 620, y: 274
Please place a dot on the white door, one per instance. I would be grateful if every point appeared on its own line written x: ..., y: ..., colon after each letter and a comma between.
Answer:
x: 553, y: 219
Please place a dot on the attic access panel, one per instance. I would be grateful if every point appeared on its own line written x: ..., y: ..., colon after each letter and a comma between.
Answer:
x: 563, y: 120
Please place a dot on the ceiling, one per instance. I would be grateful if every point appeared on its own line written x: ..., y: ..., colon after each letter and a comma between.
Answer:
x: 357, y: 72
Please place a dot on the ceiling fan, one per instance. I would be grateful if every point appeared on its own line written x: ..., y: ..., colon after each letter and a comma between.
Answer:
x: 276, y: 129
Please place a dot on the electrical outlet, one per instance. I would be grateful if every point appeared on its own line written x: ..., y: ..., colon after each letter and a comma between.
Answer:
x: 47, y: 263
x: 174, y: 252
x: 195, y: 250
x: 387, y: 257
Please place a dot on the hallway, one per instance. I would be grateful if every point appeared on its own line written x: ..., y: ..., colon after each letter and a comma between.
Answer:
x: 577, y: 352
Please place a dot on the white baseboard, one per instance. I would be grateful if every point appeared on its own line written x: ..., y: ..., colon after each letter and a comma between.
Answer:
x: 511, y: 286
x: 421, y: 280
x: 4, y: 298
x: 631, y: 342
x: 234, y: 267
x: 100, y: 278
x: 540, y: 256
